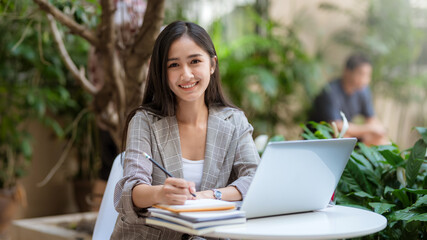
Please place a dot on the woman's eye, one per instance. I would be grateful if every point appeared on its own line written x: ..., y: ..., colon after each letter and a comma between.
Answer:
x: 194, y: 61
x: 173, y: 65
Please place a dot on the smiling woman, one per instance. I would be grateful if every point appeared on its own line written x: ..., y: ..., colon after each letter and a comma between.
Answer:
x: 189, y: 70
x: 187, y: 125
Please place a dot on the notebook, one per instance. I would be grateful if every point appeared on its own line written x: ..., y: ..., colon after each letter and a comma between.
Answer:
x: 189, y: 230
x: 196, y: 216
x: 197, y: 220
x: 198, y: 205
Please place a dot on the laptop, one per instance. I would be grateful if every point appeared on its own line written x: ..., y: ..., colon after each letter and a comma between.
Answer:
x: 297, y: 176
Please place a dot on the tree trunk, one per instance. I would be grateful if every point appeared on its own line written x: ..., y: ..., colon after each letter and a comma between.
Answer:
x: 124, y: 65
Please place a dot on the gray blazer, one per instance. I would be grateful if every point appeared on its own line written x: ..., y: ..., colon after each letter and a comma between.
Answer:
x: 230, y: 160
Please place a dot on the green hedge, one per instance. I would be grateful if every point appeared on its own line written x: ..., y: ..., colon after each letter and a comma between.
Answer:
x: 387, y: 180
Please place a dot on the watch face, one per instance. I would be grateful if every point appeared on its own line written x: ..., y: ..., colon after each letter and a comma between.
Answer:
x: 218, y: 194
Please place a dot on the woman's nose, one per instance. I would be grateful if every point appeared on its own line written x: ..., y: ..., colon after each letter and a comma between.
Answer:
x: 186, y: 74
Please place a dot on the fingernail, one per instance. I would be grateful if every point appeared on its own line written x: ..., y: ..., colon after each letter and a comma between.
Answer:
x: 193, y: 189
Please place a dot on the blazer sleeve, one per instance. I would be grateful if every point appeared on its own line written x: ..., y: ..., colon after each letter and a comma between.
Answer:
x: 246, y: 156
x: 136, y: 168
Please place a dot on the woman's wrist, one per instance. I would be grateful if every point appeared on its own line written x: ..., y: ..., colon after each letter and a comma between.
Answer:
x: 156, y: 197
x: 207, y: 194
x: 230, y: 193
x: 144, y: 196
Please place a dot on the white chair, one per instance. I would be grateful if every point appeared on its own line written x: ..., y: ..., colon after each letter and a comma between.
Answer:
x: 107, y: 215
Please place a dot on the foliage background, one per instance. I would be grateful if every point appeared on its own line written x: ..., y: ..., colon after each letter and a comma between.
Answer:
x: 34, y: 83
x: 387, y: 180
x: 267, y: 68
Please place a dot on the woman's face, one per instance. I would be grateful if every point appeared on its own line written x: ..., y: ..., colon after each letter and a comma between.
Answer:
x: 188, y: 68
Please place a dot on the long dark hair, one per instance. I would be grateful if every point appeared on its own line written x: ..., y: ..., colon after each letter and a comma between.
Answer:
x: 158, y: 97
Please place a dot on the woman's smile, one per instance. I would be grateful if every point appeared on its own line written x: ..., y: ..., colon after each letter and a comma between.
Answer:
x: 188, y: 86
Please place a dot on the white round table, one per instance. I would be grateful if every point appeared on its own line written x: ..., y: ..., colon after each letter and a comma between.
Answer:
x: 334, y: 222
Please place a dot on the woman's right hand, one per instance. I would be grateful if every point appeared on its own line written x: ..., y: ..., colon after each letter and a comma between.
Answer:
x: 175, y: 191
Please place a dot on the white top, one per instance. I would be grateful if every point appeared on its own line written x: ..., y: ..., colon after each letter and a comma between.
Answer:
x: 193, y: 171
x: 335, y: 222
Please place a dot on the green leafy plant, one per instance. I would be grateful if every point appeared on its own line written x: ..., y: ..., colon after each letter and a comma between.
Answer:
x: 34, y: 87
x: 15, y: 146
x: 386, y: 180
x: 265, y: 72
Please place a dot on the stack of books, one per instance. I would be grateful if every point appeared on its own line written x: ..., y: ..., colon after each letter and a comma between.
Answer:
x: 196, y: 217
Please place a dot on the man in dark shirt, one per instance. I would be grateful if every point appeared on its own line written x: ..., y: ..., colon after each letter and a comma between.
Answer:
x: 350, y: 94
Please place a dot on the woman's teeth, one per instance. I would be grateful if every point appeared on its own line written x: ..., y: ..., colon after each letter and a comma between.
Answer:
x: 188, y: 86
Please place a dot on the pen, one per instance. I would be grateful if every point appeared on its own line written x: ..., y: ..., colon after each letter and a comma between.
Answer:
x: 161, y: 168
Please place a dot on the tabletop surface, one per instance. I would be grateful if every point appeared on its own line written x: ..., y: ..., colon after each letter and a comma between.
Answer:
x: 330, y: 223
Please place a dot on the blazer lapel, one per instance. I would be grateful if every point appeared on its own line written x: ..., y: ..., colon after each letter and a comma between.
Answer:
x: 219, y: 135
x: 167, y: 134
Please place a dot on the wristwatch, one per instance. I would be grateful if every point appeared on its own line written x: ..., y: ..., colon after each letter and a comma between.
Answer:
x: 217, y: 194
